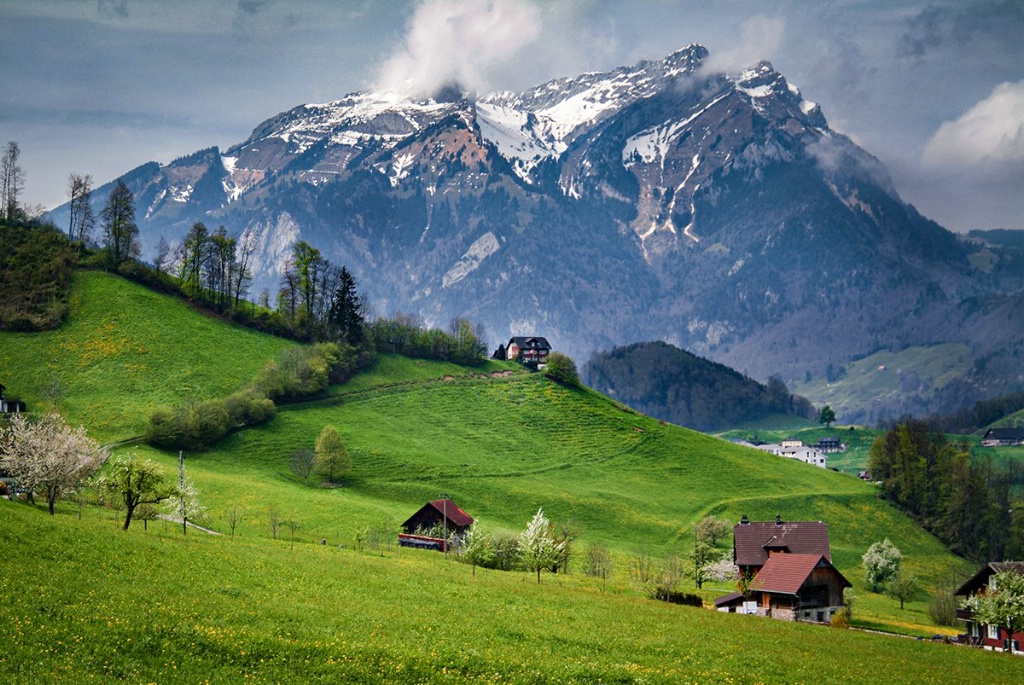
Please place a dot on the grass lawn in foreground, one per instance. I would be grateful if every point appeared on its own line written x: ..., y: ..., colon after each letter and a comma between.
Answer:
x: 86, y: 602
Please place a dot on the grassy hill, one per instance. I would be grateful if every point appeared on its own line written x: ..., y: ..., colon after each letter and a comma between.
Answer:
x: 501, y: 442
x: 887, y: 379
x: 125, y: 350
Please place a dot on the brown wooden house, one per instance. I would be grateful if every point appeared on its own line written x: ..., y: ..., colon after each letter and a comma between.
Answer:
x: 786, y: 572
x: 983, y: 634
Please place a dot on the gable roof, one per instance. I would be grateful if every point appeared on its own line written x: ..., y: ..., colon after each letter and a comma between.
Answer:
x: 444, y: 507
x: 980, y: 579
x: 455, y: 514
x: 1004, y: 434
x: 524, y: 342
x: 751, y: 541
x: 786, y: 573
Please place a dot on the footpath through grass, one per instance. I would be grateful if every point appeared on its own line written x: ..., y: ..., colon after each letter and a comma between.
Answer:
x: 85, y: 602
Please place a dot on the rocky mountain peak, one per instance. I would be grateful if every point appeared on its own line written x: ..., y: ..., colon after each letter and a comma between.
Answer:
x: 717, y: 212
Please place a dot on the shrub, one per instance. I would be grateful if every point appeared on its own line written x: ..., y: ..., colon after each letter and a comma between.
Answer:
x: 841, y: 619
x: 685, y: 598
x: 942, y: 608
x: 507, y: 552
x: 561, y: 368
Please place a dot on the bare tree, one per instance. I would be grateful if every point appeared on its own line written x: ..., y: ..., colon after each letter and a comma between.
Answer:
x: 233, y: 518
x: 302, y: 463
x: 12, y: 180
x: 54, y: 390
x: 48, y: 455
x: 162, y: 258
x: 82, y: 220
x: 598, y: 563
x: 275, y: 522
x: 121, y: 233
x: 246, y: 248
x: 293, y: 525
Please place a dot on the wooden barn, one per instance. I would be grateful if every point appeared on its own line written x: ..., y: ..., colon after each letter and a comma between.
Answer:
x: 440, y: 513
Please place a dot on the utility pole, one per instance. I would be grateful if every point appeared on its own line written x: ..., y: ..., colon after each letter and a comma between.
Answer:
x: 444, y: 510
x: 181, y: 492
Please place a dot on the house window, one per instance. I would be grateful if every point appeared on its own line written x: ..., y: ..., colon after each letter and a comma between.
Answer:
x: 993, y: 632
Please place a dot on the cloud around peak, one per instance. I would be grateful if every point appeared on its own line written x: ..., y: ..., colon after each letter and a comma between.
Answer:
x: 457, y: 42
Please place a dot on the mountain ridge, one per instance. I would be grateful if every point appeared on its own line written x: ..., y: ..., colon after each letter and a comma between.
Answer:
x: 716, y: 212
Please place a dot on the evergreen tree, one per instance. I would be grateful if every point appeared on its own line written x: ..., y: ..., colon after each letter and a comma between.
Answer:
x: 345, y: 320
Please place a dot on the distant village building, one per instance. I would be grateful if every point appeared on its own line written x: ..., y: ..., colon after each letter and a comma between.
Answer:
x: 829, y: 445
x: 1003, y: 437
x: 984, y: 634
x: 786, y: 572
x: 533, y: 350
x: 795, y: 449
x: 10, y: 406
x: 441, y: 514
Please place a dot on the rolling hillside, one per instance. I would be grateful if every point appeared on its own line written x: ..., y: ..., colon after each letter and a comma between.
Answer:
x: 501, y: 444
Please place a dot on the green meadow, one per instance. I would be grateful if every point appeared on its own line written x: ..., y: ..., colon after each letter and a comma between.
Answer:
x: 86, y: 601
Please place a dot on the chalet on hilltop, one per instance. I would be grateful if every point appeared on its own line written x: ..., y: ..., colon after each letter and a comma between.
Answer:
x: 533, y: 350
x: 984, y: 634
x: 1003, y: 437
x: 440, y: 513
x: 788, y: 572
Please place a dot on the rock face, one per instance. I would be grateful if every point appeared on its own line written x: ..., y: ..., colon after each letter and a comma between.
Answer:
x: 717, y: 212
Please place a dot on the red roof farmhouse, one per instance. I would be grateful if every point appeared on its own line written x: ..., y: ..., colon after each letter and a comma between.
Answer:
x: 786, y: 571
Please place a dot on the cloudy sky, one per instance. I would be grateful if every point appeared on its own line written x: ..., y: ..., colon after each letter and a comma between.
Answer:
x: 934, y: 89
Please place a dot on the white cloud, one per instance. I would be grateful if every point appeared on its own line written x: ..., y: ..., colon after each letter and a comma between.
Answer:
x: 458, y: 41
x: 760, y: 39
x: 989, y: 133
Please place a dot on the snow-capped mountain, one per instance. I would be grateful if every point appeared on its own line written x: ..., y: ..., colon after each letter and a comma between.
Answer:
x: 718, y: 212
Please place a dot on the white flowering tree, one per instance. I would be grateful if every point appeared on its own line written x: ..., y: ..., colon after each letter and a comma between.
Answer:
x: 183, y: 503
x: 476, y: 548
x: 881, y: 563
x: 48, y: 455
x: 538, y: 546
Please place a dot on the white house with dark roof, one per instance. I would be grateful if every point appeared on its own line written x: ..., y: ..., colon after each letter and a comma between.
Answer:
x: 796, y: 449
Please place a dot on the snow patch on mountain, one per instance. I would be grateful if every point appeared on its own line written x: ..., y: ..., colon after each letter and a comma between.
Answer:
x: 482, y: 248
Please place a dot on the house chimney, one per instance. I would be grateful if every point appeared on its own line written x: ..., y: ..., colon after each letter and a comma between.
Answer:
x: 778, y: 519
x: 744, y: 520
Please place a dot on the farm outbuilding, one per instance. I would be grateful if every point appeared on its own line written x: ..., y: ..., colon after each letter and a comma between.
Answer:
x: 440, y: 513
